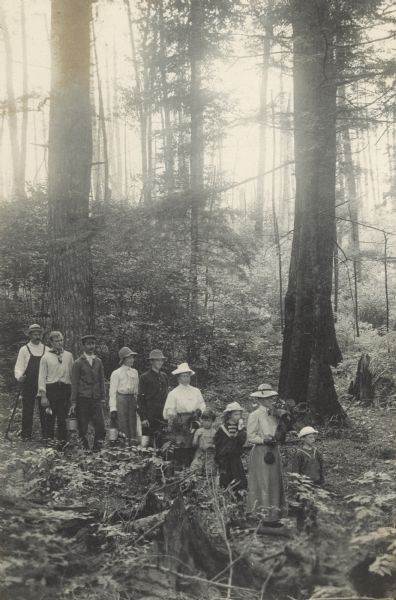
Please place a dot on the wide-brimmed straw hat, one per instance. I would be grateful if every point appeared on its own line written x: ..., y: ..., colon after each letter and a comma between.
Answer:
x: 264, y: 391
x: 306, y: 431
x: 183, y: 368
x: 35, y: 327
x: 124, y: 353
x: 231, y: 407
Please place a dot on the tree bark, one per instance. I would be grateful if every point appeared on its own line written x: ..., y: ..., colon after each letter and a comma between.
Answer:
x: 309, y: 344
x: 69, y: 171
x: 363, y: 386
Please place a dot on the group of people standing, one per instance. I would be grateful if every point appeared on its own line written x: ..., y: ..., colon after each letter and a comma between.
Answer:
x: 176, y: 422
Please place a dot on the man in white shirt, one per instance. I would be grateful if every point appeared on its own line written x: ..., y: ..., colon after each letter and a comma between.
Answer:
x: 26, y: 373
x: 55, y: 385
x: 124, y: 386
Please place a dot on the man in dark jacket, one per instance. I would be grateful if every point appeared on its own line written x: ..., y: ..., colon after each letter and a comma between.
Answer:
x: 153, y: 390
x: 88, y: 393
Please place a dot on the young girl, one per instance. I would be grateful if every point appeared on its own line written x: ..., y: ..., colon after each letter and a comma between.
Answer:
x: 265, y: 488
x: 229, y: 441
x: 308, y: 460
x: 203, y: 441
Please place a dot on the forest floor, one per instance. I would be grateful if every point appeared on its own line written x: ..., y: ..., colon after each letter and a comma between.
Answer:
x: 85, y: 527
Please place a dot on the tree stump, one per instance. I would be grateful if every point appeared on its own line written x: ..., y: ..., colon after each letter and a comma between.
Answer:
x: 188, y: 549
x: 362, y: 389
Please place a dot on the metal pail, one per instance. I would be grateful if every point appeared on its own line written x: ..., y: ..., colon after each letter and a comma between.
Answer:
x: 145, y: 441
x: 112, y: 434
x: 71, y: 424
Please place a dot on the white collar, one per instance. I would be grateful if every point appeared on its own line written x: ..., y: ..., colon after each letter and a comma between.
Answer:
x: 89, y: 356
x: 224, y: 428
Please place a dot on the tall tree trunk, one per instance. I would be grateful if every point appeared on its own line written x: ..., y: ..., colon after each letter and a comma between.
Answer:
x: 310, y: 345
x: 141, y: 105
x: 69, y: 171
x: 117, y: 129
x: 1, y: 147
x: 196, y: 162
x: 18, y: 186
x: 259, y: 209
x: 168, y: 136
x: 25, y: 97
x: 102, y: 121
x: 353, y: 200
x: 274, y: 214
x: 182, y: 166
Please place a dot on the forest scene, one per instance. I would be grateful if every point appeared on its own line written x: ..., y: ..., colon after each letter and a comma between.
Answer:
x: 197, y: 299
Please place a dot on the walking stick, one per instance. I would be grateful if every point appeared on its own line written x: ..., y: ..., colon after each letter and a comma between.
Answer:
x: 17, y: 396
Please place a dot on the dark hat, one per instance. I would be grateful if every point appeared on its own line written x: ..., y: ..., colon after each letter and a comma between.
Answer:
x: 156, y: 355
x: 124, y: 353
x: 88, y: 336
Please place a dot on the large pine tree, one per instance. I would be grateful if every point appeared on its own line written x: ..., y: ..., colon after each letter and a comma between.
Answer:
x: 69, y: 170
x: 310, y: 346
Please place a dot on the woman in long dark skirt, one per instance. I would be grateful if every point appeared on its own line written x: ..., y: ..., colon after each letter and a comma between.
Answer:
x: 229, y: 441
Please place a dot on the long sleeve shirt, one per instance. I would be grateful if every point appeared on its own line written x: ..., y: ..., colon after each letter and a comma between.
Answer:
x: 54, y: 371
x: 183, y: 399
x: 153, y: 390
x: 260, y: 425
x: 88, y: 379
x: 24, y: 357
x: 124, y: 380
x: 228, y: 444
x: 308, y: 461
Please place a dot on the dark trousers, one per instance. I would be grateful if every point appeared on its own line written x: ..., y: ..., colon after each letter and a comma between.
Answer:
x: 28, y: 404
x: 90, y: 411
x: 58, y: 395
x: 156, y: 430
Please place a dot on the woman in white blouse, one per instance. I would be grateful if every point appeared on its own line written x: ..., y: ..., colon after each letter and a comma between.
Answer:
x: 265, y: 483
x: 183, y: 404
x: 124, y: 384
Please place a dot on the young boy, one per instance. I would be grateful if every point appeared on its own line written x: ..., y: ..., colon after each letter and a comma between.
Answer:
x: 308, y: 460
x: 203, y: 441
x: 229, y: 442
x: 88, y: 393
